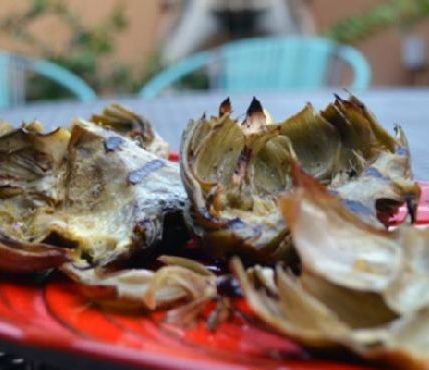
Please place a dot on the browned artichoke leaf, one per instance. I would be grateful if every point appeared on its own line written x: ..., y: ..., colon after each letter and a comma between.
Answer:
x: 216, y: 166
x: 407, y: 342
x: 292, y: 311
x: 340, y: 248
x: 127, y: 123
x: 358, y: 130
x: 336, y: 244
x: 316, y: 143
x: 382, y: 187
x: 409, y: 289
x: 184, y: 281
x: 376, y: 177
x: 22, y: 257
x: 359, y: 309
x: 368, y: 286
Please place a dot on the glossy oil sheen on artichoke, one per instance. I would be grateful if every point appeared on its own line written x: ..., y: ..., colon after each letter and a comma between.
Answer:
x: 234, y: 171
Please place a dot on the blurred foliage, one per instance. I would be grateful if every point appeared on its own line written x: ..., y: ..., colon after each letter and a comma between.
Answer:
x: 84, y: 52
x: 402, y: 13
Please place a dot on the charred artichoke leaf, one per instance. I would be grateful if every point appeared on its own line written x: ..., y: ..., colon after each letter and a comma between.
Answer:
x: 182, y: 280
x: 127, y: 123
x: 115, y: 201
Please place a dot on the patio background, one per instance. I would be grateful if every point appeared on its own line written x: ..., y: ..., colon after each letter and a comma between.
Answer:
x: 150, y: 21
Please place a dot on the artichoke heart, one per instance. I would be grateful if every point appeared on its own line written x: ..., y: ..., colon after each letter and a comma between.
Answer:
x: 233, y: 172
x: 95, y: 195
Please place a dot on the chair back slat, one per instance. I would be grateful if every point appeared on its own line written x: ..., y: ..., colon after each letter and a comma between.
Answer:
x: 14, y: 70
x: 288, y: 63
x: 4, y: 80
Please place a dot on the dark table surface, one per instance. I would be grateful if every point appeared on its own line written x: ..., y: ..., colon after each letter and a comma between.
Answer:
x: 169, y: 115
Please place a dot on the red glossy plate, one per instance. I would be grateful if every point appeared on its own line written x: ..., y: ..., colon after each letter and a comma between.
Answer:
x: 56, y: 323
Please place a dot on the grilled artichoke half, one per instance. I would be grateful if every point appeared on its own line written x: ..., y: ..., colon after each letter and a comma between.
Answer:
x: 360, y: 287
x: 233, y: 172
x: 95, y: 195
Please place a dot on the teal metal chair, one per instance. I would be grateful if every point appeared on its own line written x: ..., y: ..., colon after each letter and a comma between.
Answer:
x: 270, y: 64
x: 13, y: 69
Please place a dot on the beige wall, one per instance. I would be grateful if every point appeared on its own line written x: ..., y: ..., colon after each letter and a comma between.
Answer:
x: 147, y: 21
x: 135, y: 44
x: 383, y: 49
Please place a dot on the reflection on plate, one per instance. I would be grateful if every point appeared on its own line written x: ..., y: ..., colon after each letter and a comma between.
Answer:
x: 53, y: 315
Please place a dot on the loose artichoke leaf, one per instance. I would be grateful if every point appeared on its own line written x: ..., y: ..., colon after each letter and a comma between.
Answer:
x: 402, y: 344
x: 337, y: 246
x: 357, y: 308
x: 297, y: 314
x: 187, y: 263
x: 334, y: 243
x: 17, y: 257
x: 409, y: 289
x: 152, y: 290
x: 407, y: 342
x: 293, y: 312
